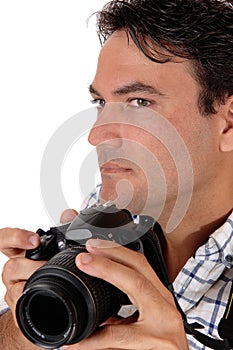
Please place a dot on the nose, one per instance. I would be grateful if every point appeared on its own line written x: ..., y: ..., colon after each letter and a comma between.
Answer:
x: 105, y: 133
x: 107, y: 128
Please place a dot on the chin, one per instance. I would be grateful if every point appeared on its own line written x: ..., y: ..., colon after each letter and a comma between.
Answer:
x: 123, y: 199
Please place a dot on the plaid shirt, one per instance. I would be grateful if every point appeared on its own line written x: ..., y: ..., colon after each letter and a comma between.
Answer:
x: 203, y: 285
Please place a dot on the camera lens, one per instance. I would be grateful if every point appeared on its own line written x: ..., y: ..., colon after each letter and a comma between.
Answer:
x: 62, y: 305
x: 48, y: 314
x: 51, y: 312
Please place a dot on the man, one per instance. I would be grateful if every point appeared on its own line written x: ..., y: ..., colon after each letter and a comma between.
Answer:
x: 173, y: 59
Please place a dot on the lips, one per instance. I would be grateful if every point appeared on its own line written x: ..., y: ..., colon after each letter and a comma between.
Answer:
x: 114, y: 168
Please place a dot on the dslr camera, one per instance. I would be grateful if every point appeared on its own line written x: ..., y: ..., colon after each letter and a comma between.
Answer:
x: 63, y: 305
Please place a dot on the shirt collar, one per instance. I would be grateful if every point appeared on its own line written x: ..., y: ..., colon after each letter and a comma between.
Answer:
x: 203, y: 269
x: 219, y: 247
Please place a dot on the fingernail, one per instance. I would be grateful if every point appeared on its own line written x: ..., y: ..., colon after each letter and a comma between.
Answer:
x: 68, y: 215
x: 33, y: 240
x: 85, y: 258
x: 95, y: 243
x: 101, y: 243
x: 65, y: 347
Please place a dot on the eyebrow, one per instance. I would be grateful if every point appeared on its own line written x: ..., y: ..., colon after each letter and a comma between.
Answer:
x: 129, y: 88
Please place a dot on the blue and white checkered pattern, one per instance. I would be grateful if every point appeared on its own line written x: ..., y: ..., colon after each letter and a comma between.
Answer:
x: 93, y: 198
x: 202, y: 287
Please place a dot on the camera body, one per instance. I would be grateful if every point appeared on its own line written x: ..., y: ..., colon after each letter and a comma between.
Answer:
x: 99, y: 222
x: 60, y: 303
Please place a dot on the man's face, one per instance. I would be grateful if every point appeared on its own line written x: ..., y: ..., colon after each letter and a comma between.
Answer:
x: 138, y: 152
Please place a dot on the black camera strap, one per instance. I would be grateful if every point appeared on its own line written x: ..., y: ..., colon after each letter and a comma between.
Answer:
x: 153, y: 252
x: 225, y: 327
x: 212, y: 343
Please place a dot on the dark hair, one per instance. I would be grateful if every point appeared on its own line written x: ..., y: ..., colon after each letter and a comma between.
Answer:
x: 199, y: 30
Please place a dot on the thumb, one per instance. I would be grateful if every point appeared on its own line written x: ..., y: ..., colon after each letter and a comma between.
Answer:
x: 68, y: 215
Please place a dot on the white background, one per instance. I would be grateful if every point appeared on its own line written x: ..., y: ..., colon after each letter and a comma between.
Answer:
x: 47, y: 61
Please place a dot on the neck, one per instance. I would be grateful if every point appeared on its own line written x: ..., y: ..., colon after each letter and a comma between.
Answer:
x: 200, y: 221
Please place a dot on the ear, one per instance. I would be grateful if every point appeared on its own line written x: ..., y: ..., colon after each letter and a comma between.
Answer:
x: 226, y: 137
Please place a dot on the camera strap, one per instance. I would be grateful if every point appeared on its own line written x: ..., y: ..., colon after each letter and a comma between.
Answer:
x: 225, y: 327
x: 192, y: 328
x: 153, y: 252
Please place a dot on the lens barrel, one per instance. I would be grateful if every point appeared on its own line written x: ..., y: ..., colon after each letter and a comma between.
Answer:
x: 63, y: 305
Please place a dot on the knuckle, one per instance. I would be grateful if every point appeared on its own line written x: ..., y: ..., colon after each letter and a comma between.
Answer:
x: 141, y: 283
x: 108, y: 333
x: 9, y: 269
x: 121, y: 337
x: 17, y: 235
x: 116, y: 334
x: 105, y: 266
x: 17, y: 269
x: 13, y: 293
x: 141, y: 260
x: 140, y: 263
x: 17, y: 290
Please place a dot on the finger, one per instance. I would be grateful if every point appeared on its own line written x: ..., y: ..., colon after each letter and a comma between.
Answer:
x: 68, y: 215
x: 138, y: 288
x: 121, y: 255
x: 143, y: 294
x: 19, y: 269
x: 127, y: 257
x: 14, y: 242
x: 13, y: 294
x: 120, y: 337
x: 122, y: 320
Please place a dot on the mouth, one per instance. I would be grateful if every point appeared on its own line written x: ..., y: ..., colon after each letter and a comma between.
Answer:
x: 113, y: 168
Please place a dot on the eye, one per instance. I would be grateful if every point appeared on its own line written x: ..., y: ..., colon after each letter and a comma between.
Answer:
x: 139, y: 102
x: 98, y: 102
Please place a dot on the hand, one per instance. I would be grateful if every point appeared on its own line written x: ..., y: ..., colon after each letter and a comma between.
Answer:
x: 13, y: 243
x: 158, y: 325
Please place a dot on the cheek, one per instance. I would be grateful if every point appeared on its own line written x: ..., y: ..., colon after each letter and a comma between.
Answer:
x: 158, y: 153
x: 201, y: 141
x: 159, y: 167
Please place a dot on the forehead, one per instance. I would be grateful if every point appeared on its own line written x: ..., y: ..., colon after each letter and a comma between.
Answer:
x: 120, y: 52
x: 121, y: 61
x: 119, y: 44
